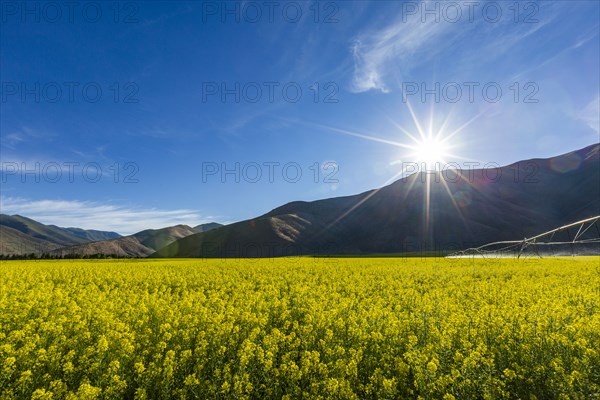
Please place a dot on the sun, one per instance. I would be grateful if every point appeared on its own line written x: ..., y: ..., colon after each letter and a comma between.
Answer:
x: 430, y: 152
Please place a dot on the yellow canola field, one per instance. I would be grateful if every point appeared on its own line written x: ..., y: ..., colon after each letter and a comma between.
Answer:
x: 343, y: 328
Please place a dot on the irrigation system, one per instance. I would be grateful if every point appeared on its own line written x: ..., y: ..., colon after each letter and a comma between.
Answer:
x: 578, y: 238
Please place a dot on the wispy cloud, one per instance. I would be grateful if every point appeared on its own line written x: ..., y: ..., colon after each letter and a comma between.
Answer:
x: 412, y: 41
x: 375, y: 52
x: 25, y: 134
x: 94, y: 215
x: 12, y: 139
x: 591, y: 114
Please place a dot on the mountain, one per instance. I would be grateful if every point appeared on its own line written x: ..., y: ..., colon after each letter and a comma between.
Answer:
x: 92, y: 235
x: 140, y: 244
x: 20, y: 235
x: 466, y: 208
x: 207, y: 227
x: 15, y: 242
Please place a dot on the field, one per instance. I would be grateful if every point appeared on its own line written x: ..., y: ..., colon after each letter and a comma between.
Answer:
x: 293, y: 328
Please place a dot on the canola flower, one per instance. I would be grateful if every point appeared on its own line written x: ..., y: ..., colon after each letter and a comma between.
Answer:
x: 290, y: 328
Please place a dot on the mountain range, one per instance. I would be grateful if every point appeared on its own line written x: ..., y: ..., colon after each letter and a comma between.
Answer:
x: 426, y: 211
x: 440, y: 211
x: 20, y: 235
x: 140, y: 244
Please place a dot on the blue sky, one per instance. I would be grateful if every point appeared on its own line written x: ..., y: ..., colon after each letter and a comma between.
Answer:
x: 132, y: 109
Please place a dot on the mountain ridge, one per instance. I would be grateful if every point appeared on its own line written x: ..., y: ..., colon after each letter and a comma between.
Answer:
x: 22, y: 235
x: 482, y: 205
x: 140, y: 244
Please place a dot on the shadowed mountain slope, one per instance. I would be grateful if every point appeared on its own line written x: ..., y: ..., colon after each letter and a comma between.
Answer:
x: 20, y: 235
x: 448, y: 210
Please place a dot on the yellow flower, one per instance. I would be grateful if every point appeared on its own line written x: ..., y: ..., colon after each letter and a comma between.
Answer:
x: 9, y: 364
x: 139, y: 367
x: 102, y: 344
x: 41, y: 394
x: 191, y: 380
x: 432, y: 366
x: 509, y: 373
x: 68, y: 367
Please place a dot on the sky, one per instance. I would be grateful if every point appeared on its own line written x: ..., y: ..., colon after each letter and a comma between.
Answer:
x: 125, y: 116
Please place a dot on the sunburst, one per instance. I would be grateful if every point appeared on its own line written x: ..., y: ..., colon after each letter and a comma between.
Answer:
x: 430, y: 150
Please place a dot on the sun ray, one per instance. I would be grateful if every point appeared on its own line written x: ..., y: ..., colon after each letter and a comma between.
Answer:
x: 430, y: 148
x: 361, y: 202
x: 362, y: 136
x: 397, y: 125
x: 440, y: 133
x: 427, y: 202
x: 469, y: 122
x: 415, y: 120
x: 453, y: 200
x: 431, y: 114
